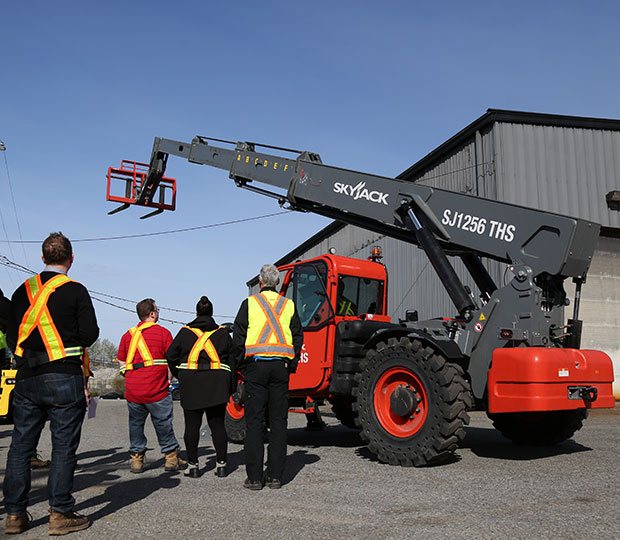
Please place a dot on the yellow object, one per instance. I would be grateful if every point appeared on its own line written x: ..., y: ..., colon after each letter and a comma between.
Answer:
x: 203, y: 343
x: 139, y: 344
x: 269, y: 332
x: 7, y: 383
x: 38, y: 316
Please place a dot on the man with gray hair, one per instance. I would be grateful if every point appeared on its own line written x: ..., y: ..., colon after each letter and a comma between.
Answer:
x: 267, y: 341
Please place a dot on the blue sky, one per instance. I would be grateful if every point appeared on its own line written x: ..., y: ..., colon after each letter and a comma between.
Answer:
x: 372, y: 86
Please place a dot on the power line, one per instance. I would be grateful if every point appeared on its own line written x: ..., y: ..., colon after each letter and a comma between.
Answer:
x: 142, y: 235
x: 19, y: 229
x: 16, y: 266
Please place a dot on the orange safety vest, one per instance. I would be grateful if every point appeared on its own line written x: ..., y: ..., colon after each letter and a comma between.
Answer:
x: 139, y: 344
x: 38, y: 316
x: 269, y: 333
x: 203, y: 343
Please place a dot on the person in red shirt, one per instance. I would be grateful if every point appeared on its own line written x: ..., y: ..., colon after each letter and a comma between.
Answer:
x: 142, y: 356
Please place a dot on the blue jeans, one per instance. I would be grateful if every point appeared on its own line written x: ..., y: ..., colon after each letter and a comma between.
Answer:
x: 161, y: 416
x: 59, y: 398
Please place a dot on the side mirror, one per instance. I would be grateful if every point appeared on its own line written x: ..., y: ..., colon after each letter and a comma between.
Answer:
x: 411, y: 315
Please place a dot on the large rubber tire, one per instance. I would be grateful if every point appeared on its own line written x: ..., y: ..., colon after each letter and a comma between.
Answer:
x: 234, y: 422
x: 539, y: 428
x: 430, y: 434
x: 342, y: 407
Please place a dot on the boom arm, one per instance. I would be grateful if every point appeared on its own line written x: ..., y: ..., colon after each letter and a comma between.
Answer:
x: 544, y: 241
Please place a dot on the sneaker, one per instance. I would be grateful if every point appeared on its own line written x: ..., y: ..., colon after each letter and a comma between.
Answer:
x: 16, y: 523
x: 273, y: 483
x: 254, y: 485
x: 136, y: 464
x: 220, y: 469
x: 192, y: 470
x: 173, y: 461
x: 36, y: 462
x: 66, y: 522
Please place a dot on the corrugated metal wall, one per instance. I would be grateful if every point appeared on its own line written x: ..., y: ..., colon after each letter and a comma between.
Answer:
x: 560, y: 169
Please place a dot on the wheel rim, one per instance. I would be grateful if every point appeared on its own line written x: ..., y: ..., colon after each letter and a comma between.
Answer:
x: 235, y: 411
x: 399, y: 379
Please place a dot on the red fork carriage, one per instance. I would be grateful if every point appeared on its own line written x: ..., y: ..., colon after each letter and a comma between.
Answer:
x: 125, y: 184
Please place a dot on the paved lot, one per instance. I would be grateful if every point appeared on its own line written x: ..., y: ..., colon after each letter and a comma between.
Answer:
x: 336, y: 489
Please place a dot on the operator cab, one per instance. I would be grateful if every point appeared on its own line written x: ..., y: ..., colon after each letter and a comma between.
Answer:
x: 327, y: 291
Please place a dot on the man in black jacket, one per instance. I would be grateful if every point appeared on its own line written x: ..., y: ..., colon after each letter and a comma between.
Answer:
x: 52, y: 321
x: 267, y: 341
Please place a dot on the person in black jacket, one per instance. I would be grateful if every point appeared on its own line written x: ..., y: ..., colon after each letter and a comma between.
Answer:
x: 52, y: 321
x: 267, y: 342
x: 200, y: 357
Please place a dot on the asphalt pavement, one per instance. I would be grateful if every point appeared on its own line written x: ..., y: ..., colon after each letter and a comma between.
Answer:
x: 334, y: 488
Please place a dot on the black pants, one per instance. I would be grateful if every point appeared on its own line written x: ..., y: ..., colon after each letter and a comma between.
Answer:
x: 215, y: 418
x: 267, y: 389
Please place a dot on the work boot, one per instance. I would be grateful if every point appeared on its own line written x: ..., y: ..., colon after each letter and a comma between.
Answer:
x: 136, y: 464
x: 173, y: 461
x: 220, y: 469
x: 254, y: 485
x: 16, y: 523
x: 36, y: 462
x: 273, y: 483
x: 66, y: 522
x: 192, y: 470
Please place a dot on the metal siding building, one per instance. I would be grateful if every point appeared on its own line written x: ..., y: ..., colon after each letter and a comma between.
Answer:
x: 562, y: 164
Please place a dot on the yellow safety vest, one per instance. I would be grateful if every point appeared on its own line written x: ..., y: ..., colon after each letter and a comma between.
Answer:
x: 139, y: 344
x: 269, y: 331
x: 203, y: 343
x: 38, y: 316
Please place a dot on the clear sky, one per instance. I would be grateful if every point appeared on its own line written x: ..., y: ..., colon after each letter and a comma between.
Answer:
x: 372, y: 86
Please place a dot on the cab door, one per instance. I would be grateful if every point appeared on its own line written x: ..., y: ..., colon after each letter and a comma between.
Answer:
x: 307, y: 287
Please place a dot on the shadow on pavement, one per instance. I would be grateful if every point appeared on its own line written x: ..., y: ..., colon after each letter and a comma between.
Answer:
x: 490, y: 443
x: 338, y: 436
x: 109, y: 456
x: 295, y: 462
x: 126, y: 493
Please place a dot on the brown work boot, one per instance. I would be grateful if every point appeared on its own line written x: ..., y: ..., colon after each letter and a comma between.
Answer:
x: 16, y: 523
x: 173, y: 461
x: 36, y: 462
x: 136, y: 463
x: 66, y: 522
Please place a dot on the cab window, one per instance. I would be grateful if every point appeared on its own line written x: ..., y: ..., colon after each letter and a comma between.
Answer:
x: 309, y: 293
x: 358, y: 296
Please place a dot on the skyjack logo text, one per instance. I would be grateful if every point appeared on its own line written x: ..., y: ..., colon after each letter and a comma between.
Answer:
x: 360, y: 192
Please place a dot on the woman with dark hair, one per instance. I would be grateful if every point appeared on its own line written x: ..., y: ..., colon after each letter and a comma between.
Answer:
x: 200, y: 357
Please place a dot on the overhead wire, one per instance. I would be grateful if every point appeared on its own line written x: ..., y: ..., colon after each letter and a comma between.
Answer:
x: 159, y: 233
x: 94, y: 295
x: 19, y: 229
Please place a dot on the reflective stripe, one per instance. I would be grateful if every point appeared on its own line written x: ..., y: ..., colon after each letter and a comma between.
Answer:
x: 203, y: 343
x: 156, y: 362
x: 38, y: 316
x: 184, y: 365
x: 279, y: 350
x: 139, y: 344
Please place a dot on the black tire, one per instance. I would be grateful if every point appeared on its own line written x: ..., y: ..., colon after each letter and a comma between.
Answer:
x: 443, y: 393
x: 235, y: 428
x: 176, y: 394
x: 539, y: 428
x: 342, y: 407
